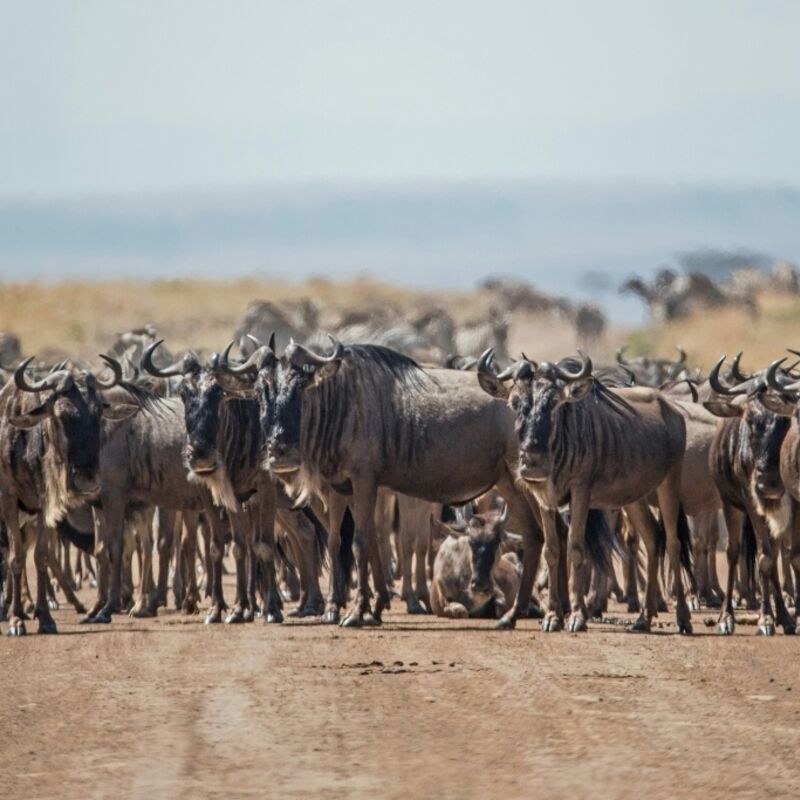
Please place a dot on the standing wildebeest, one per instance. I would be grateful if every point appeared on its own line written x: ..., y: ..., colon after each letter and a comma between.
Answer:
x: 472, y: 577
x: 650, y: 370
x: 50, y: 435
x: 365, y: 417
x: 223, y: 451
x: 745, y: 462
x: 600, y: 448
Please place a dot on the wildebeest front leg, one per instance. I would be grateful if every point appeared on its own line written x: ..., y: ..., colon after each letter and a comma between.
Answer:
x: 16, y: 564
x: 576, y: 558
x: 63, y: 581
x: 669, y: 503
x: 216, y: 551
x: 524, y: 516
x: 367, y: 555
x: 240, y: 603
x: 643, y: 523
x: 41, y: 558
x: 109, y: 522
x: 733, y: 521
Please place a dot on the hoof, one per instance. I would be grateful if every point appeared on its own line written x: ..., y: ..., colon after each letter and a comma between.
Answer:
x: 505, y: 623
x: 766, y: 628
x: 789, y: 628
x: 47, y: 627
x: 416, y: 608
x: 213, y: 618
x: 273, y: 618
x: 726, y: 625
x: 661, y: 605
x: 577, y: 624
x: 642, y: 625
x: 80, y: 608
x: 535, y: 611
x: 53, y: 605
x: 100, y: 618
x: 330, y: 617
x: 248, y: 615
x: 310, y: 611
x: 634, y: 607
x: 694, y: 604
x: 685, y: 628
x: 17, y: 628
x: 140, y: 613
x: 352, y: 620
x: 371, y: 620
x: 235, y: 617
x: 552, y: 623
x: 713, y: 602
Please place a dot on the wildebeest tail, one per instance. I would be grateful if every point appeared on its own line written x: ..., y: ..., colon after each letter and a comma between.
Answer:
x: 687, y: 552
x: 83, y: 541
x: 685, y: 541
x: 601, y: 543
x: 345, y: 556
x: 749, y: 550
x: 320, y: 538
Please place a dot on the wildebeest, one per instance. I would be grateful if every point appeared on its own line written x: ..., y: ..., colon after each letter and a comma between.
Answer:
x: 650, y: 370
x: 51, y: 432
x: 472, y: 576
x: 365, y: 417
x: 745, y: 463
x: 596, y: 448
x: 223, y: 452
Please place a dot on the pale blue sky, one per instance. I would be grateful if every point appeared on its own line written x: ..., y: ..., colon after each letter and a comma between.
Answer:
x: 139, y: 96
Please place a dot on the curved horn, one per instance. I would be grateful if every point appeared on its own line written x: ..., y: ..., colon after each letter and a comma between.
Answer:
x: 254, y: 363
x: 254, y: 340
x: 682, y: 352
x: 115, y: 367
x: 620, y: 359
x: 773, y: 381
x: 61, y: 380
x: 504, y: 515
x: 736, y: 370
x: 300, y: 356
x: 716, y: 384
x: 584, y: 372
x: 271, y: 342
x: 149, y: 367
x: 485, y: 362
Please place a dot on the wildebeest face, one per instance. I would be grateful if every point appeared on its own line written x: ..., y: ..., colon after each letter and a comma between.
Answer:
x: 536, y: 403
x: 76, y: 416
x: 284, y: 418
x: 202, y: 398
x: 766, y: 433
x: 485, y: 540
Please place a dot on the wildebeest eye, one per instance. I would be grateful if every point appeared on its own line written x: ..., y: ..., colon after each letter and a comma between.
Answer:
x: 515, y: 402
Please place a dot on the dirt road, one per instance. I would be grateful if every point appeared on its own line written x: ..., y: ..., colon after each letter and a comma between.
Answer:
x: 420, y: 708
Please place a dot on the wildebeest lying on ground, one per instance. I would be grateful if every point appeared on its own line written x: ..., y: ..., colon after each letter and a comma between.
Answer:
x: 472, y: 576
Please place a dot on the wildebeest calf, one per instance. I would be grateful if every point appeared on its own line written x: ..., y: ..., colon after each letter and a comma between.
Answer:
x: 472, y: 577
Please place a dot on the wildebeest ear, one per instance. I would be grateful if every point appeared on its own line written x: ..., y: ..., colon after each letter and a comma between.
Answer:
x: 118, y: 411
x: 724, y: 409
x: 577, y: 390
x: 326, y: 372
x: 777, y: 404
x: 439, y: 530
x: 492, y: 386
x: 32, y: 417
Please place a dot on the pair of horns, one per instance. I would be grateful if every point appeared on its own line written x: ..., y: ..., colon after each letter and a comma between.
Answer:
x: 526, y: 368
x: 62, y: 380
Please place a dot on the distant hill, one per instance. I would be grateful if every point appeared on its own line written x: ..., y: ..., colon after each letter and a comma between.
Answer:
x: 567, y: 238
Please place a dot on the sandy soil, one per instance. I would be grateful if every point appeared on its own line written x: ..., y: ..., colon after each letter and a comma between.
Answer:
x: 420, y: 708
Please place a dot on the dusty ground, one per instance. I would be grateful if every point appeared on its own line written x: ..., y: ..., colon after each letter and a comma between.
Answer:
x: 420, y: 708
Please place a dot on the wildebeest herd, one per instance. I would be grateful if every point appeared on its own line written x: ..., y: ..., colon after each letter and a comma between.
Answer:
x: 501, y: 490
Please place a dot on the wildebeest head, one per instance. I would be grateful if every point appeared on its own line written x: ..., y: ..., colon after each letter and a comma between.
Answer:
x: 750, y: 401
x: 73, y: 407
x: 299, y: 371
x: 202, y: 396
x: 486, y: 534
x: 536, y: 393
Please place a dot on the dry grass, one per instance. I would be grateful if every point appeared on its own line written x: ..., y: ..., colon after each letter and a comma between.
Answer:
x: 81, y: 319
